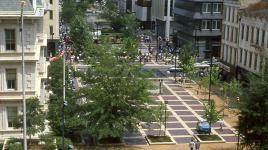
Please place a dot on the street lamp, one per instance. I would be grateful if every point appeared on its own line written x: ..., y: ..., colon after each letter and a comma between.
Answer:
x: 175, y: 53
x: 23, y: 79
x: 166, y: 102
x: 160, y: 85
x: 210, y: 74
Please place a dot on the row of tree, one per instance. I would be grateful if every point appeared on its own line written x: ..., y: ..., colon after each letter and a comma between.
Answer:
x: 115, y: 98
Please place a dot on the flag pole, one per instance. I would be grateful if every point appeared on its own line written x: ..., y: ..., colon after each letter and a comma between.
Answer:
x: 23, y: 79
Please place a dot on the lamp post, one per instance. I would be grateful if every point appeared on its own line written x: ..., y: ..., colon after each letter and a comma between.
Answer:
x: 166, y: 102
x: 175, y: 53
x: 210, y: 74
x: 160, y: 85
x: 23, y: 79
x: 157, y: 40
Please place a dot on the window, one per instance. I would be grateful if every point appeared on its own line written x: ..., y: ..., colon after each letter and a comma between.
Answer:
x: 241, y: 55
x: 250, y: 59
x: 257, y: 36
x: 230, y: 55
x: 206, y: 24
x: 255, y: 61
x: 263, y: 37
x: 206, y: 8
x: 217, y: 8
x: 10, y: 39
x: 11, y: 76
x: 242, y: 31
x: 216, y: 25
x: 51, y: 14
x: 12, y: 114
x: 227, y: 33
x: 247, y: 32
x: 231, y: 35
x: 51, y: 30
x: 50, y: 1
x: 245, y: 58
x: 252, y: 34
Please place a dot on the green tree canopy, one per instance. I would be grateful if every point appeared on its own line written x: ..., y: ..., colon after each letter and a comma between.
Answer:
x: 253, y: 120
x: 35, y: 117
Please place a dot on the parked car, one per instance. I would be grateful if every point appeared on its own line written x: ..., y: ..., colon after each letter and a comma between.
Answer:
x: 203, y: 127
x: 173, y: 69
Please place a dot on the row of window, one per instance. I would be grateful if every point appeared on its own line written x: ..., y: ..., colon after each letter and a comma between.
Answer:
x: 211, y: 24
x: 253, y: 34
x: 246, y: 58
x: 211, y: 7
x: 230, y: 33
x: 230, y: 14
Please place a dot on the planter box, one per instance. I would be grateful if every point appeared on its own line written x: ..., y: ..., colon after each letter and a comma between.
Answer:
x: 172, y: 142
x: 219, y: 140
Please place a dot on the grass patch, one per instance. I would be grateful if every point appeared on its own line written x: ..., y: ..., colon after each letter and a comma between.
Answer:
x: 206, y: 137
x: 155, y: 139
x: 1, y: 145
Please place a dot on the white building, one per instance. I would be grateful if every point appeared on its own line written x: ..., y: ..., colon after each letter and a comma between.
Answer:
x: 51, y: 24
x: 11, y: 60
x: 238, y: 54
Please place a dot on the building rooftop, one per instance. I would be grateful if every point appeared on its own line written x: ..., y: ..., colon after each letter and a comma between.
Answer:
x: 258, y: 9
x: 14, y: 5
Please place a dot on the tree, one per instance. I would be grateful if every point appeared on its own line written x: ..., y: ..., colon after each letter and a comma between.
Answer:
x: 253, y: 120
x: 214, y: 77
x: 35, y: 117
x: 55, y: 104
x: 80, y: 34
x: 232, y: 89
x: 187, y: 60
x: 211, y: 114
x: 116, y: 95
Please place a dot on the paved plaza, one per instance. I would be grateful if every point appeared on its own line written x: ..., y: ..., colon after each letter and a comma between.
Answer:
x: 184, y: 110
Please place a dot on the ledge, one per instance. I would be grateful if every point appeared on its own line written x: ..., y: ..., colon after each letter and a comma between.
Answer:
x: 214, y: 141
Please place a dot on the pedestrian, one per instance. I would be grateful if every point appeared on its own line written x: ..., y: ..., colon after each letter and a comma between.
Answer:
x: 197, y: 145
x: 192, y: 144
x: 221, y: 122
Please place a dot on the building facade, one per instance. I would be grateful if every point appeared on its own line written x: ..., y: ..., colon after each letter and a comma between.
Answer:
x: 11, y: 61
x: 159, y: 16
x: 51, y: 25
x: 239, y: 54
x: 199, y: 22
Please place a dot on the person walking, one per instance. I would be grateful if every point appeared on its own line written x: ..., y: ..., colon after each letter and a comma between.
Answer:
x: 192, y: 144
x: 197, y: 145
x: 221, y: 122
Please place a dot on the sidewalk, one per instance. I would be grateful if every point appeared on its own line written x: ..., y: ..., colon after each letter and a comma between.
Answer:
x: 217, y: 146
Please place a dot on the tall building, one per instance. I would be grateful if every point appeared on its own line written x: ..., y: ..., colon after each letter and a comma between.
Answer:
x: 143, y: 13
x: 199, y: 22
x: 11, y: 60
x: 51, y: 25
x: 237, y: 30
x: 159, y: 15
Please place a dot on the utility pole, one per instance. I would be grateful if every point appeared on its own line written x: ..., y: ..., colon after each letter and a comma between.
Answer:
x: 23, y: 79
x: 167, y: 21
x: 64, y: 99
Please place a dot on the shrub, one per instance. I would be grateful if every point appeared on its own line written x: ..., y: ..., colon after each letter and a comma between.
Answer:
x: 67, y: 142
x: 14, y: 144
x: 48, y: 142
